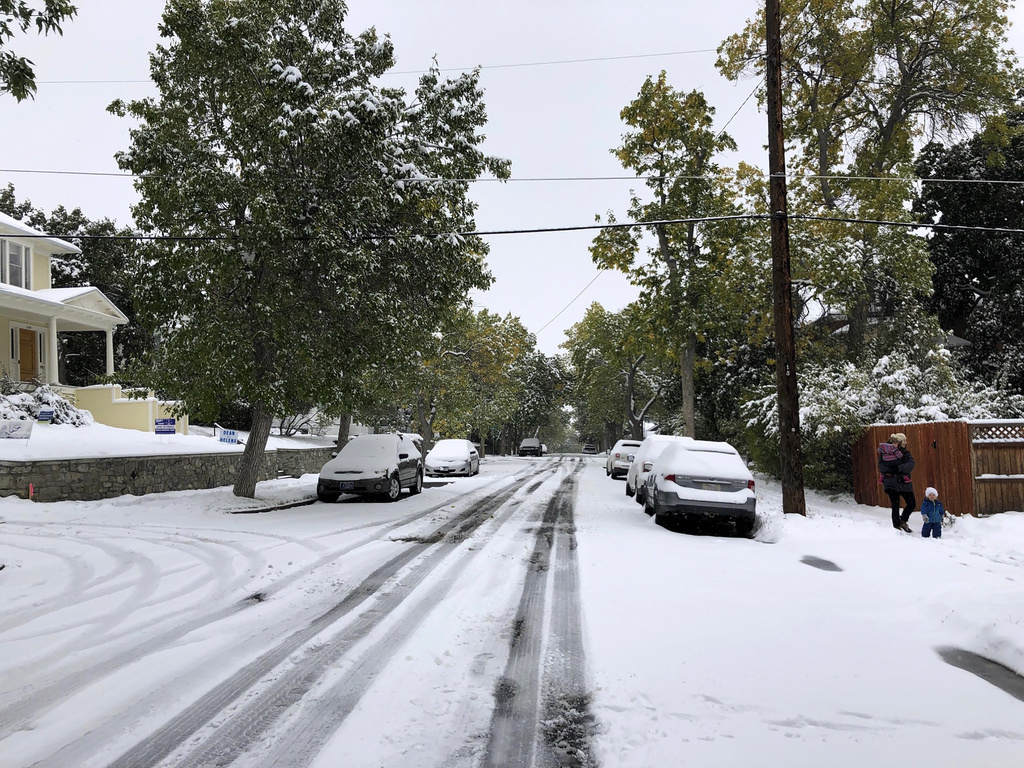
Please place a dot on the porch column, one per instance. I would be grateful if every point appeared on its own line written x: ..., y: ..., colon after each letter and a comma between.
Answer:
x: 51, y: 353
x: 110, y: 351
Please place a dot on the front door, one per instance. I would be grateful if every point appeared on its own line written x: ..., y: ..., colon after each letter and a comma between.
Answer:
x: 28, y: 354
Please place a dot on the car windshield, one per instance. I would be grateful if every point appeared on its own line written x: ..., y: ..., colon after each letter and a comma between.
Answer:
x: 370, y: 447
x: 449, y: 449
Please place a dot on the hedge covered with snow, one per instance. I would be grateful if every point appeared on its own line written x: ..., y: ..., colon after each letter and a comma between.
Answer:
x: 25, y: 406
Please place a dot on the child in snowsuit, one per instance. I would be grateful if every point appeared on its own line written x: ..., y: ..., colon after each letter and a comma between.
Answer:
x: 933, y: 511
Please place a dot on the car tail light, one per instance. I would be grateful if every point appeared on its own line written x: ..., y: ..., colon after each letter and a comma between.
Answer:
x: 670, y: 478
x: 750, y: 484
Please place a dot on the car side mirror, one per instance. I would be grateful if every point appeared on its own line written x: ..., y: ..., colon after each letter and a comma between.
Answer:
x: 648, y: 465
x: 403, y: 455
x: 334, y: 454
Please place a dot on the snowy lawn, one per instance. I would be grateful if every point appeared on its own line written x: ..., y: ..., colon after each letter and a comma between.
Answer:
x: 814, y: 645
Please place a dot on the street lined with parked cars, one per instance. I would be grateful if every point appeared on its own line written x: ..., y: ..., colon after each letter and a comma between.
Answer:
x: 680, y: 480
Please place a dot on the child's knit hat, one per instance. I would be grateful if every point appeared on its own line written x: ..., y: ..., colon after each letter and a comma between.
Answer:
x: 929, y: 491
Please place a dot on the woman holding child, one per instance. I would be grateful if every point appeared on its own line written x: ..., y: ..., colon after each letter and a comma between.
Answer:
x: 895, y: 463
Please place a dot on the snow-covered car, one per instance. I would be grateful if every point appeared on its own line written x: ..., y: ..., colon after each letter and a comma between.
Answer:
x: 377, y: 465
x: 700, y: 480
x: 617, y: 462
x: 531, y: 446
x: 650, y: 448
x: 590, y: 448
x: 452, y: 457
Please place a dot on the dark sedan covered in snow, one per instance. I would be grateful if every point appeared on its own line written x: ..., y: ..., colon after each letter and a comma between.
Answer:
x: 375, y: 465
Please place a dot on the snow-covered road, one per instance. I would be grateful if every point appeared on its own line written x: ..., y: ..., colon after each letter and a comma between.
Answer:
x: 522, y: 617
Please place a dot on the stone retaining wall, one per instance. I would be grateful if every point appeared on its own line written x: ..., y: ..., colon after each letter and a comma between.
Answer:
x: 106, y: 477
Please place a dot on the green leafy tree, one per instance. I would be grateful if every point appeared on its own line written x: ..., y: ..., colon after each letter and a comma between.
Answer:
x: 979, y: 276
x: 864, y: 81
x: 621, y: 371
x: 304, y: 214
x: 671, y: 142
x: 17, y: 77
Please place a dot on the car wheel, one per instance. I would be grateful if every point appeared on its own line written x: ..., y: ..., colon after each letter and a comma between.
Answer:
x: 417, y: 486
x: 394, y: 488
x: 629, y: 489
x: 328, y: 497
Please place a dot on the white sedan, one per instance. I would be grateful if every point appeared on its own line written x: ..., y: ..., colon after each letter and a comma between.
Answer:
x: 452, y: 457
x: 701, y: 480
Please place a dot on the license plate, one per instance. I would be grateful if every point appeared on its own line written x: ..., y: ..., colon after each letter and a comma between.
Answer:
x: 347, y: 486
x: 710, y: 487
x: 445, y: 469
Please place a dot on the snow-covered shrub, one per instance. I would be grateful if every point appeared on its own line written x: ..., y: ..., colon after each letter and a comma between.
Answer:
x: 25, y: 406
x: 838, y: 400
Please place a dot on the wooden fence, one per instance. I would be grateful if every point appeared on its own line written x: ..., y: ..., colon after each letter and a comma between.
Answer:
x: 977, y: 466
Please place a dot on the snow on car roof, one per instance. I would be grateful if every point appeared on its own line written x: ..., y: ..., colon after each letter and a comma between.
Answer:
x: 682, y: 458
x: 370, y: 445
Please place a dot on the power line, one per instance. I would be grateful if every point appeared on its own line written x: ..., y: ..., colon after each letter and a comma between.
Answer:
x: 549, y: 322
x: 551, y: 230
x: 560, y: 179
x: 518, y: 65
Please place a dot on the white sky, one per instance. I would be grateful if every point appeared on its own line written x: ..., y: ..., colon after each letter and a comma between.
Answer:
x: 554, y: 120
x: 699, y: 650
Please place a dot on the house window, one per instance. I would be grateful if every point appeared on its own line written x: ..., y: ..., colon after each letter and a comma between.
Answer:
x: 15, y: 264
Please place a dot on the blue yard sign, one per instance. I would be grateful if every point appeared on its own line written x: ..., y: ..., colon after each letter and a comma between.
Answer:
x: 165, y: 426
x: 45, y: 415
x: 228, y: 436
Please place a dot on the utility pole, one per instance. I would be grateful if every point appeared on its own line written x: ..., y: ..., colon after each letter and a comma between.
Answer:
x: 791, y: 455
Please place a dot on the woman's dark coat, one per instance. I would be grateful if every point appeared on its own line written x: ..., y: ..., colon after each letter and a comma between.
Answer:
x: 896, y: 474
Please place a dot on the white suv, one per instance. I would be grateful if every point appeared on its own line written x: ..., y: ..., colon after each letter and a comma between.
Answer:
x: 617, y: 462
x: 649, y: 450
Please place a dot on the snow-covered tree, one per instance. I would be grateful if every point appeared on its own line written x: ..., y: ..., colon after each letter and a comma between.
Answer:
x: 838, y: 400
x: 303, y: 217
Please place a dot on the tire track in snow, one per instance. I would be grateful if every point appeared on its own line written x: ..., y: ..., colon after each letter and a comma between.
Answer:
x: 17, y: 712
x: 541, y: 713
x: 294, y: 679
x: 298, y: 744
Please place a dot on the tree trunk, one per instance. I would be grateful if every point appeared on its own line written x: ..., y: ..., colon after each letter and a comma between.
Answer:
x: 254, y: 456
x: 344, y: 427
x: 687, y: 359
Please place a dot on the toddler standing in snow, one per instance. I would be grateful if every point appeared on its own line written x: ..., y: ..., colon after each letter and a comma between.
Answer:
x: 933, y: 512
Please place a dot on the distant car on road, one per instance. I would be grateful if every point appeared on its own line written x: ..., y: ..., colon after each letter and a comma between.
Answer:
x: 531, y: 446
x: 590, y: 448
x: 701, y: 480
x: 452, y: 457
x: 377, y: 465
x: 617, y: 462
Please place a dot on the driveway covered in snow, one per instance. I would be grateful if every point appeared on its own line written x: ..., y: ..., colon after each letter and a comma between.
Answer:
x: 532, y: 615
